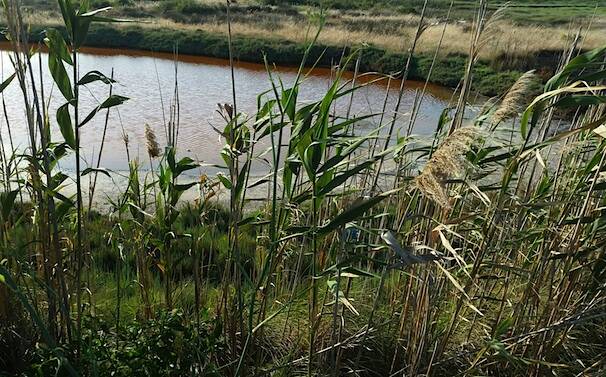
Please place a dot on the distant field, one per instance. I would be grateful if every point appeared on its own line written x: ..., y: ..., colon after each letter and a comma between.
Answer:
x: 521, y: 11
x: 550, y: 12
x: 525, y: 26
x: 528, y: 35
x: 542, y: 12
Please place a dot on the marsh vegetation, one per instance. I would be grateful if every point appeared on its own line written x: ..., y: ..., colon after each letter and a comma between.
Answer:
x: 479, y: 250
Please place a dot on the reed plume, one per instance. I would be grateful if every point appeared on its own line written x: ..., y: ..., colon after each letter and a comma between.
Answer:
x: 517, y: 98
x: 153, y: 149
x: 449, y: 161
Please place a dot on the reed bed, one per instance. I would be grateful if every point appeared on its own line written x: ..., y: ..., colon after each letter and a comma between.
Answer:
x: 478, y: 251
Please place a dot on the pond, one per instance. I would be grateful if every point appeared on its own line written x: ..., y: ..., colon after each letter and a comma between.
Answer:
x: 148, y: 80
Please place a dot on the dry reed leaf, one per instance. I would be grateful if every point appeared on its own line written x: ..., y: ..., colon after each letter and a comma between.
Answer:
x: 460, y: 289
x: 448, y: 246
x: 601, y: 130
x: 540, y: 158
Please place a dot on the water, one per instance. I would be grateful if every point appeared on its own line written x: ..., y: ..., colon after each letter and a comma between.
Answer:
x: 148, y: 80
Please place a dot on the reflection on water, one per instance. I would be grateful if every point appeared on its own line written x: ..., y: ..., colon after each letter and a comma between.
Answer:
x: 149, y: 82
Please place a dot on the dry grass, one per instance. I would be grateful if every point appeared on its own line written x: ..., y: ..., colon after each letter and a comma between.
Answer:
x: 508, y: 38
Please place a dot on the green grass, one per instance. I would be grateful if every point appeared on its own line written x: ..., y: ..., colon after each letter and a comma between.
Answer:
x: 550, y: 12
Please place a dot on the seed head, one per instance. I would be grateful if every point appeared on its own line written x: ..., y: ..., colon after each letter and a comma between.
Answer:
x: 517, y: 97
x: 448, y: 161
x: 152, y: 145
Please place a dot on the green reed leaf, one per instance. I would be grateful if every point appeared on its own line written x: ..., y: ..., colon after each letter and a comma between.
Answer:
x: 354, y: 212
x: 57, y: 70
x: 6, y: 82
x: 226, y: 182
x: 56, y: 44
x: 93, y: 76
x: 7, y: 199
x: 111, y: 101
x: 340, y: 179
x: 65, y: 125
x: 96, y: 170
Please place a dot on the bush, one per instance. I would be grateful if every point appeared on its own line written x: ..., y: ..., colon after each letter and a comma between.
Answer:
x: 168, y: 345
x: 17, y: 337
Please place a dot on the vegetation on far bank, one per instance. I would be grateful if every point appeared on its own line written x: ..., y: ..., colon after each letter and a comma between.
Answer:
x: 447, y: 71
x: 528, y: 12
x: 387, y: 29
x: 519, y: 11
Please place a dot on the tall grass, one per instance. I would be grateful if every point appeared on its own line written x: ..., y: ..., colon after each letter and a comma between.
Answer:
x: 478, y: 251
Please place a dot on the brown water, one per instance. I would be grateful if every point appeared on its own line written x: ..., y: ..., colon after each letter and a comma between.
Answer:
x: 148, y: 80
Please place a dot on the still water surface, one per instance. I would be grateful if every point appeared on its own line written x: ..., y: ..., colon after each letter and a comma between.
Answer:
x: 148, y: 80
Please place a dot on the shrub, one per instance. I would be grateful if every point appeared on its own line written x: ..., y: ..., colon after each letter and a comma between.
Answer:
x: 168, y: 345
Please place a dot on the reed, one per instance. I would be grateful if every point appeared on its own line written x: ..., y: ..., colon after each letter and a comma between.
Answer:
x: 475, y: 251
x: 516, y: 98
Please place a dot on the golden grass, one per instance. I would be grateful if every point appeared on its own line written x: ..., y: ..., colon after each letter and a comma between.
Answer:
x: 507, y: 38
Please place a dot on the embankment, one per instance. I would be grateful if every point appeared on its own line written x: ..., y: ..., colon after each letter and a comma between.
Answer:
x: 489, y: 78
